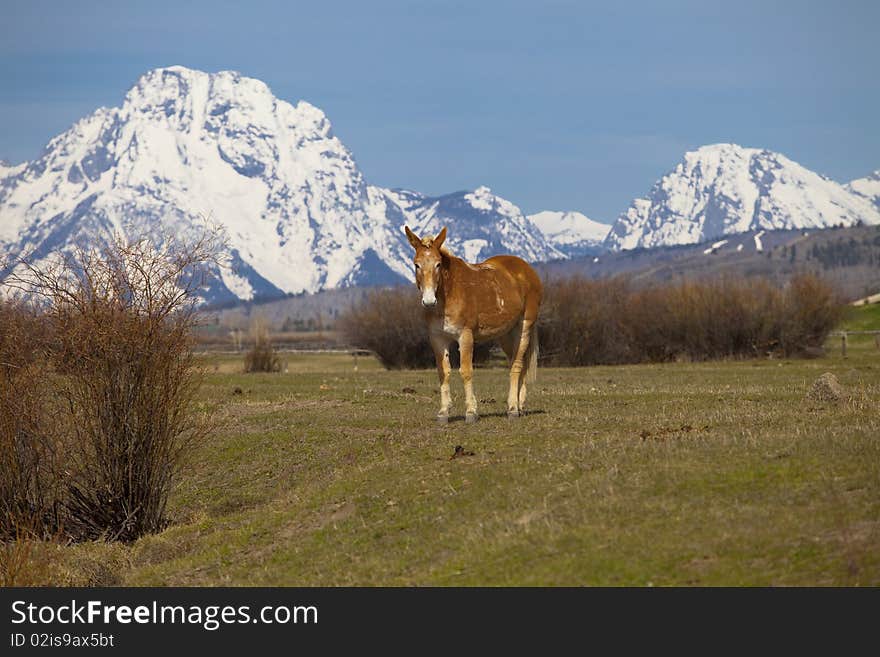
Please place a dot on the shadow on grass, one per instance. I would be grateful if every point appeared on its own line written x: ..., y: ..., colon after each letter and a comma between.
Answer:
x: 460, y: 418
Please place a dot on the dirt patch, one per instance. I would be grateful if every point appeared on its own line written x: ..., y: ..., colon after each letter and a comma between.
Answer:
x: 342, y: 512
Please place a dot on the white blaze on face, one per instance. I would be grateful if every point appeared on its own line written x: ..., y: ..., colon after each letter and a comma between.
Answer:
x: 427, y: 270
x: 429, y: 295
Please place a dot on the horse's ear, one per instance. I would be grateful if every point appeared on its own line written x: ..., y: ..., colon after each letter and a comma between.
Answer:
x: 411, y: 236
x: 438, y: 241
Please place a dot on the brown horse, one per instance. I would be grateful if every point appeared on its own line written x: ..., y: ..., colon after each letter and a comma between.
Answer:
x: 495, y: 300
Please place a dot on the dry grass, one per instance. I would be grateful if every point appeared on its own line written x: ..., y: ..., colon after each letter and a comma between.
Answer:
x: 679, y: 473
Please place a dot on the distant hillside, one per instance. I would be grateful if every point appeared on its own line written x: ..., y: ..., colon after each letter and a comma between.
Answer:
x: 303, y: 312
x: 847, y: 257
x: 863, y: 318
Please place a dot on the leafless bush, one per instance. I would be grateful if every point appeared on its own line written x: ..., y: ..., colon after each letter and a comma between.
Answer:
x: 390, y: 323
x: 585, y: 322
x: 811, y: 310
x: 29, y: 440
x: 581, y: 322
x: 119, y: 371
x: 261, y: 357
x: 703, y: 320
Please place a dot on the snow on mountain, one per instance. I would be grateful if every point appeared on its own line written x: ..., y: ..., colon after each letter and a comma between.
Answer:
x: 573, y: 233
x: 724, y: 188
x: 480, y: 223
x: 868, y: 187
x: 186, y: 146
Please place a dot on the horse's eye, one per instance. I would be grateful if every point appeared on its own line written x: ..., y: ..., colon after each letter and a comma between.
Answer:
x: 437, y: 266
x: 417, y: 267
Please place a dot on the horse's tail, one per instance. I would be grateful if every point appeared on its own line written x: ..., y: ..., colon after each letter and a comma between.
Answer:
x: 531, y: 358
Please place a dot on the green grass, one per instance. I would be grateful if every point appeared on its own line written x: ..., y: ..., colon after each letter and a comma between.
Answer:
x: 863, y: 318
x: 716, y: 473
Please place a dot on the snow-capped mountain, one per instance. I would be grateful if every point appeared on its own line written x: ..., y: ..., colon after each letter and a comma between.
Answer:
x: 573, y: 233
x: 724, y: 188
x: 186, y: 145
x: 868, y: 187
x: 485, y: 224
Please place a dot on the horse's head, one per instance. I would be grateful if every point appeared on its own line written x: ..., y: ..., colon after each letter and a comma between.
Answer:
x: 428, y: 262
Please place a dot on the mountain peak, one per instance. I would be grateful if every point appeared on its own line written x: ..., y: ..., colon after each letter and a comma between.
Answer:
x: 175, y: 90
x: 867, y: 188
x: 720, y: 189
x: 573, y: 233
x: 722, y: 147
x: 186, y: 144
x: 174, y: 69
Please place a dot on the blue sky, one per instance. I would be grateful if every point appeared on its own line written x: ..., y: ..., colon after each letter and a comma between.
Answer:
x: 554, y: 105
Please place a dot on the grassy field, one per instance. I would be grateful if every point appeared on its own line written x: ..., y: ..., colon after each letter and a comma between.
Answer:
x: 676, y: 474
x: 863, y: 318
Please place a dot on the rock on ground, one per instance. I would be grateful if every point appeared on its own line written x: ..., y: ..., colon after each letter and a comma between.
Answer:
x: 826, y: 389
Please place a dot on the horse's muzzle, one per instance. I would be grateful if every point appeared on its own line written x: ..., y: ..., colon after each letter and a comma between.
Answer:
x: 429, y: 303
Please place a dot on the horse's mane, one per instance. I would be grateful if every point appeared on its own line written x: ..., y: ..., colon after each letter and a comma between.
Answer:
x: 444, y: 251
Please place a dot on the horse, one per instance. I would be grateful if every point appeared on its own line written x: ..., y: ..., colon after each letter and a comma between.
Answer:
x: 497, y: 299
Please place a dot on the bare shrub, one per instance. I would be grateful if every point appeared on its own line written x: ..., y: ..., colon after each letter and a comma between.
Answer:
x: 30, y: 498
x: 390, y: 323
x: 610, y: 321
x: 811, y: 310
x: 581, y: 322
x: 586, y: 322
x: 121, y: 377
x: 703, y: 320
x: 261, y: 357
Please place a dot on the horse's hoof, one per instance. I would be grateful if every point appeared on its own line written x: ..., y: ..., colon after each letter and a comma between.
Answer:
x: 442, y: 419
x: 471, y: 418
x: 513, y: 415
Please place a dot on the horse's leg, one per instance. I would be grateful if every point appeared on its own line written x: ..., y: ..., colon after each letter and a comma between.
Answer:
x: 440, y: 345
x: 510, y: 343
x: 517, y: 378
x: 530, y: 363
x: 466, y: 349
